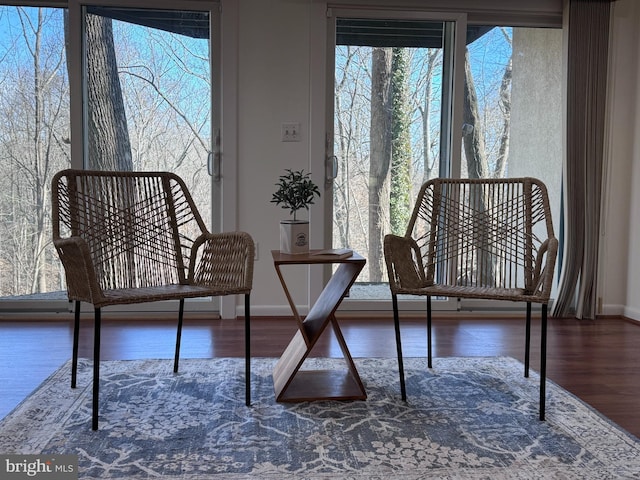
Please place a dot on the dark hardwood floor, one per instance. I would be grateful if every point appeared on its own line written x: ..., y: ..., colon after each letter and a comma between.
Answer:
x: 598, y: 361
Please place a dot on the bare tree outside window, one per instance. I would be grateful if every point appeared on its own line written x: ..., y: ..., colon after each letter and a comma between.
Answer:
x: 145, y: 111
x: 34, y: 143
x: 402, y: 95
x: 108, y: 130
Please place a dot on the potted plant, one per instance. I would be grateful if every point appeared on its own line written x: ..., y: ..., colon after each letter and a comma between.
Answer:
x: 295, y: 191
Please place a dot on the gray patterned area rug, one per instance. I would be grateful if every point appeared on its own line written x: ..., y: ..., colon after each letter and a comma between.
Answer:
x: 465, y: 418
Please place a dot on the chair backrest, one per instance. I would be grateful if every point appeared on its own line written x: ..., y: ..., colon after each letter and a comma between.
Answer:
x: 139, y: 227
x: 484, y: 233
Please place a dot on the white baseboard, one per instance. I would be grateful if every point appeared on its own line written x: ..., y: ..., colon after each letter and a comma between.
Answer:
x: 632, y: 313
x: 612, y: 310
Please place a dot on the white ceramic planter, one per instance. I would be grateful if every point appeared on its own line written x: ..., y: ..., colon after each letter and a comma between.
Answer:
x: 294, y: 236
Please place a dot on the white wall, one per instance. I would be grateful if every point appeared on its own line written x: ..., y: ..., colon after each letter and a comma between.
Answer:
x: 620, y: 261
x: 631, y: 26
x: 275, y: 85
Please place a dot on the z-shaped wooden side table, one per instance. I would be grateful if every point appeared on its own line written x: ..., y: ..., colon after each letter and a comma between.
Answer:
x: 294, y: 385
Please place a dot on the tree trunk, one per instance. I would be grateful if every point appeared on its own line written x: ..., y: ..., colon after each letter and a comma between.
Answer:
x: 473, y: 139
x: 477, y: 165
x: 432, y: 56
x: 40, y: 168
x: 341, y: 203
x: 505, y: 104
x: 109, y: 146
x: 400, y: 208
x: 380, y: 157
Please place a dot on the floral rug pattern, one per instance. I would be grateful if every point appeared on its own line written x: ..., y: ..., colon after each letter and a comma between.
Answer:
x: 467, y: 418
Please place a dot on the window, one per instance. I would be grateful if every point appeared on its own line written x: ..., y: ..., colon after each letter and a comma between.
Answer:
x: 410, y: 104
x: 34, y: 144
x: 151, y: 80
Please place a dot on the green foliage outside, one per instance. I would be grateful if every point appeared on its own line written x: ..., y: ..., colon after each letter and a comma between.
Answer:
x: 400, y: 198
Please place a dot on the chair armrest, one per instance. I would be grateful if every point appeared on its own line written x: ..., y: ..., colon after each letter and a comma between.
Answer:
x: 223, y: 260
x: 544, y: 267
x: 404, y: 263
x: 79, y: 270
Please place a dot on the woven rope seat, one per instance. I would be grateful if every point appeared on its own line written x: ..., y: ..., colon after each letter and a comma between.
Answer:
x: 134, y: 237
x: 486, y: 239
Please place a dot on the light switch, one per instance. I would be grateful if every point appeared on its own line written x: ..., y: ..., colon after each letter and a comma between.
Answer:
x: 291, y: 132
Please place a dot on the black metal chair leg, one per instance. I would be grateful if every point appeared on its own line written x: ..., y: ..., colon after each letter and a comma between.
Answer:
x: 527, y: 341
x: 429, y: 354
x: 96, y: 368
x: 178, y: 335
x: 247, y: 350
x: 543, y: 362
x: 396, y: 323
x: 76, y: 338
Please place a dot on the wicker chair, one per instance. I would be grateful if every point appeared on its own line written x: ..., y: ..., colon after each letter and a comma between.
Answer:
x: 485, y: 239
x: 128, y: 237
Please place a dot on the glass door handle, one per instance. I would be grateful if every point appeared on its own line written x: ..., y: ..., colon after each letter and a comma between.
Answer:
x: 214, y: 159
x: 331, y: 168
x: 214, y: 165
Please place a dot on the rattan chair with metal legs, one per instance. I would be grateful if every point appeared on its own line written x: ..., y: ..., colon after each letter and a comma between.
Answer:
x: 484, y: 239
x: 133, y: 237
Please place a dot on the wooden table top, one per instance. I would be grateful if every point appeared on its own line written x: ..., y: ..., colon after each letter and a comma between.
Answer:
x: 309, y: 258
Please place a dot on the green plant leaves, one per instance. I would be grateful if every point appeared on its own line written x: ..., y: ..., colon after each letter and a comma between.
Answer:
x: 295, y: 190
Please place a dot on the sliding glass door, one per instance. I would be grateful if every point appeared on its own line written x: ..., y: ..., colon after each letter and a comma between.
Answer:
x: 420, y: 95
x: 393, y: 115
x: 149, y: 106
x: 103, y: 88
